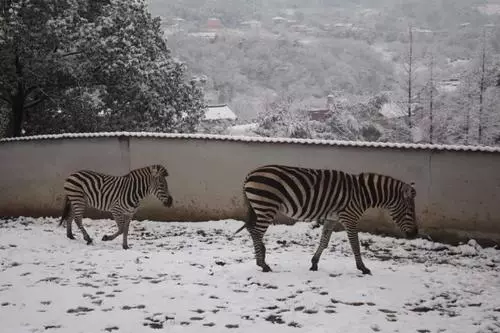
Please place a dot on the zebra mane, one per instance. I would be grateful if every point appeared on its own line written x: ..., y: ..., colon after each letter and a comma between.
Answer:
x: 366, y: 174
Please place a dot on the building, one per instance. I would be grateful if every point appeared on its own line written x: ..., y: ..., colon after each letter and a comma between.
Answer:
x: 221, y: 112
x: 322, y: 113
x: 214, y: 24
x: 251, y: 25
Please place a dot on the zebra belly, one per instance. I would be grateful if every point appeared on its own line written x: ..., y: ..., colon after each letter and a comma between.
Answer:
x: 299, y: 216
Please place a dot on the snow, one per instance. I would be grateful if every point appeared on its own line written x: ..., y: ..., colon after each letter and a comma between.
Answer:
x: 276, y: 140
x: 194, y: 277
x: 243, y: 129
x: 392, y: 110
x: 219, y: 112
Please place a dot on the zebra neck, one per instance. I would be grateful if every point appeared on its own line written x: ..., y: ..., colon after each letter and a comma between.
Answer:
x: 139, y: 188
x: 376, y: 191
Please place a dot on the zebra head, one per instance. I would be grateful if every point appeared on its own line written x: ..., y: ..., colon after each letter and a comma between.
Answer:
x: 403, y: 210
x: 159, y: 186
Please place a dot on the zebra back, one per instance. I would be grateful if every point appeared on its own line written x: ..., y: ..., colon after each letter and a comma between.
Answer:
x: 316, y: 194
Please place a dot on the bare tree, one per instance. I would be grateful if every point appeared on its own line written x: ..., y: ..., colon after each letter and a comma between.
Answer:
x: 482, y: 88
x: 431, y: 99
x: 409, y: 70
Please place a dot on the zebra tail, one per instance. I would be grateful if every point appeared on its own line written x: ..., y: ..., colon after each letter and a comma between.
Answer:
x: 66, y: 210
x: 250, y: 218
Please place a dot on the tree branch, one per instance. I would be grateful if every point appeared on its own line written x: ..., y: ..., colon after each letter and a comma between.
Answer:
x: 34, y: 103
x: 71, y: 53
x: 4, y: 98
x: 30, y: 90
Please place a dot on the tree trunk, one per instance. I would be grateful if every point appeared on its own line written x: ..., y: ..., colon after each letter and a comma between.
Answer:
x: 481, y: 90
x: 431, y: 101
x: 410, y: 83
x: 17, y: 107
x: 17, y: 115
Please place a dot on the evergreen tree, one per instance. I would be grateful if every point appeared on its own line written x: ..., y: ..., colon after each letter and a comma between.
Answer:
x: 88, y: 66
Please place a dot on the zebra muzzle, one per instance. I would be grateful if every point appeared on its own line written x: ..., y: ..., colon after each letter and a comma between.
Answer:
x: 411, y: 234
x: 168, y: 202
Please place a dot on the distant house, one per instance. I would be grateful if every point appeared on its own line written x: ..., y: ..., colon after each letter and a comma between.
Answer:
x: 318, y: 114
x: 217, y: 119
x: 322, y: 113
x: 220, y: 112
x: 251, y: 25
x: 210, y: 36
x: 449, y: 85
x: 214, y: 23
x: 278, y: 20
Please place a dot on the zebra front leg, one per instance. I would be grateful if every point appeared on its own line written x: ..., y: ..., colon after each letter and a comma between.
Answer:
x: 352, y: 234
x: 119, y: 224
x: 126, y: 224
x: 323, y: 243
x: 78, y: 221
x: 260, y: 249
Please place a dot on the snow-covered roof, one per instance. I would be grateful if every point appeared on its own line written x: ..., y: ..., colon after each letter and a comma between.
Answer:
x: 217, y: 137
x: 203, y: 34
x: 219, y: 112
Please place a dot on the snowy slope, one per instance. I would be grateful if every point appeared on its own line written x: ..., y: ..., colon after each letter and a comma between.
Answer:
x: 192, y: 277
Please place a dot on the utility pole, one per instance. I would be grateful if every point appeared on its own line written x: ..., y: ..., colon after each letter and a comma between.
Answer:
x: 431, y: 100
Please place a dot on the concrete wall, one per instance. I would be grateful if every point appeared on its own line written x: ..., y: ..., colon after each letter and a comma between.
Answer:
x: 457, y: 191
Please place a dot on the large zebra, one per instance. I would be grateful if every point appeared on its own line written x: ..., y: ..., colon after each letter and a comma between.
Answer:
x: 119, y: 195
x: 323, y: 195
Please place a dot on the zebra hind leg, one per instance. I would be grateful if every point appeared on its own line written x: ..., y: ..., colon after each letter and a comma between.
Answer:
x: 323, y: 244
x: 69, y: 223
x: 260, y: 249
x: 78, y: 221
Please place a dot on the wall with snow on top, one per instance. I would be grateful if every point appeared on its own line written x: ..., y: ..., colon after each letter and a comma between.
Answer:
x: 457, y: 187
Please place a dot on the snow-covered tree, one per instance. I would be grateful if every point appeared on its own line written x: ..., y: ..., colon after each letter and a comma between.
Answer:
x: 282, y: 119
x: 84, y: 65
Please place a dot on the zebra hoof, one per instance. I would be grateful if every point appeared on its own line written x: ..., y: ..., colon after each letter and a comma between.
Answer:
x: 314, y: 268
x: 105, y: 238
x: 266, y: 269
x: 70, y: 236
x: 366, y: 271
x: 89, y: 241
x: 126, y: 247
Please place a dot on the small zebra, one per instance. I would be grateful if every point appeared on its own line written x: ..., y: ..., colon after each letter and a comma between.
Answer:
x: 324, y: 196
x: 119, y: 195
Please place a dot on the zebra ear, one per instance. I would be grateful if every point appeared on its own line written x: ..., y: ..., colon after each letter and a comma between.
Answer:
x: 155, y: 171
x: 409, y: 191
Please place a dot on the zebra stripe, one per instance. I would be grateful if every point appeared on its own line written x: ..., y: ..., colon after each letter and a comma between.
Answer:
x: 120, y: 195
x: 323, y: 195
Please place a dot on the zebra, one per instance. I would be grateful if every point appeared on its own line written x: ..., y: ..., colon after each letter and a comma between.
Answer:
x: 325, y: 196
x: 119, y: 195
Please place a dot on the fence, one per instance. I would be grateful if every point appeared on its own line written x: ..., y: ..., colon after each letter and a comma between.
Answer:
x: 457, y: 186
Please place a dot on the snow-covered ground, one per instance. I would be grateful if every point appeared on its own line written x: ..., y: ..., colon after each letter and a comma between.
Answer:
x: 193, y: 277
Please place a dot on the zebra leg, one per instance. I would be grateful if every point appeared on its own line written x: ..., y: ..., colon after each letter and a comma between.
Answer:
x: 69, y: 223
x: 78, y: 210
x: 78, y: 221
x: 126, y: 223
x: 260, y: 249
x: 119, y: 224
x: 352, y: 234
x: 323, y: 243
